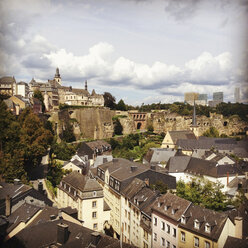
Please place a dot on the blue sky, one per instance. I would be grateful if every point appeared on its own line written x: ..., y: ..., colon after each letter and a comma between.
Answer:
x: 140, y: 51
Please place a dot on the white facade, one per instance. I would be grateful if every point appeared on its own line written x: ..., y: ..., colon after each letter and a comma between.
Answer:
x: 22, y: 89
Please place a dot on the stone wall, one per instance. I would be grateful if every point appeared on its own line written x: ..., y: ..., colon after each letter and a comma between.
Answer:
x: 91, y: 123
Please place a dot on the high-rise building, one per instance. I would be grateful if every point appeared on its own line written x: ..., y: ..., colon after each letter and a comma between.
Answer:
x: 218, y: 96
x: 237, y: 95
x: 202, y: 99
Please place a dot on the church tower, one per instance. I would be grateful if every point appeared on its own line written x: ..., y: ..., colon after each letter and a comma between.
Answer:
x: 57, y: 77
x: 194, y: 127
x: 86, y: 86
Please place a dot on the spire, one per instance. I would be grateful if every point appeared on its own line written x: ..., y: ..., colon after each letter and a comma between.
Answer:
x: 194, y: 116
x: 86, y: 87
x: 57, y: 75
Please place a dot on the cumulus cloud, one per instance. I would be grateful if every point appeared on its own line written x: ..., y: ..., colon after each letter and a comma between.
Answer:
x: 99, y: 63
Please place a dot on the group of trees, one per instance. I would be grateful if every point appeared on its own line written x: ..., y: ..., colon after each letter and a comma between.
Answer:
x: 203, y: 193
x: 134, y: 146
x: 23, y: 142
x: 110, y: 102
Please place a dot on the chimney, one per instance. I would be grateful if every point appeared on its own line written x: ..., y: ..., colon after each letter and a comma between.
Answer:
x: 238, y: 221
x: 227, y: 178
x: 52, y: 217
x: 40, y: 187
x: 95, y: 237
x: 146, y: 181
x: 62, y: 233
x: 17, y: 181
x: 7, y: 206
x: 153, y: 167
x: 104, y: 160
x: 134, y: 168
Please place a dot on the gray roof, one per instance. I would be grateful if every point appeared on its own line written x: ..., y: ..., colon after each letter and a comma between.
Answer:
x: 161, y: 155
x: 177, y: 164
x: 184, y: 134
x: 232, y: 242
x: 81, y: 182
x: 79, y: 236
x: 171, y: 201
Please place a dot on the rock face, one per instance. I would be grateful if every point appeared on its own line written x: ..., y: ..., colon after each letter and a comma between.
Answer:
x: 96, y: 123
x: 91, y: 123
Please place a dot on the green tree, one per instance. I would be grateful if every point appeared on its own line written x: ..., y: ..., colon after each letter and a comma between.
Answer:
x: 211, y: 132
x: 204, y: 193
x: 68, y: 134
x: 118, y: 127
x: 162, y: 187
x: 121, y: 106
x: 55, y: 172
x: 109, y: 100
x: 63, y: 150
x: 39, y: 96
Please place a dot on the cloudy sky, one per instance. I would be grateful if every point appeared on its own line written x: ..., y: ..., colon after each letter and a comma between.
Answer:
x: 142, y: 51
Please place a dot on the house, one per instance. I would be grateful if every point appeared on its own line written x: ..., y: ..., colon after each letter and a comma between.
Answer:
x: 77, y: 163
x: 116, y: 175
x: 93, y: 149
x: 86, y: 195
x: 171, y: 138
x: 235, y: 242
x: 62, y: 233
x: 238, y: 184
x: 219, y: 158
x: 159, y: 156
x: 12, y: 196
x: 21, y: 101
x: 221, y: 145
x: 201, y: 227
x: 136, y: 202
x: 22, y: 89
x: 167, y: 211
x: 8, y: 86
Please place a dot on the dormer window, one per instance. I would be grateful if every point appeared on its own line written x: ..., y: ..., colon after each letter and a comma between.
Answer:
x: 173, y: 210
x: 183, y: 219
x: 196, y: 224
x: 207, y: 228
x: 159, y: 204
x: 166, y: 207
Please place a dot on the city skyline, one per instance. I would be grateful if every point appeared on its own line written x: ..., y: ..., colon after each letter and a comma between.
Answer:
x: 140, y: 51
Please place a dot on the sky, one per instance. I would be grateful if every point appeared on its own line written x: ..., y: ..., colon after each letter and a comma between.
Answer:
x: 141, y: 51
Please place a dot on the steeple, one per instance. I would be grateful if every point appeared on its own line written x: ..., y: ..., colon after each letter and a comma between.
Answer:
x: 194, y: 127
x: 85, y: 85
x: 57, y: 77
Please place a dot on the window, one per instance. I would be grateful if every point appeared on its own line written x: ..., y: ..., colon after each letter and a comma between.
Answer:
x: 162, y: 226
x: 93, y: 204
x: 111, y: 182
x: 94, y: 226
x: 196, y: 242
x: 94, y: 193
x: 207, y: 228
x: 145, y: 235
x: 174, y: 246
x: 168, y: 229
x: 162, y: 242
x: 183, y: 220
x: 207, y: 244
x: 155, y: 221
x: 93, y: 215
x: 183, y: 236
x: 145, y: 245
x: 126, y: 213
x: 167, y: 244
x: 174, y: 232
x: 155, y: 236
x: 196, y: 224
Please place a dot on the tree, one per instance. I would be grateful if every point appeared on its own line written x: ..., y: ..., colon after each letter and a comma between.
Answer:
x: 150, y: 128
x: 121, y: 106
x: 39, y: 96
x: 159, y: 185
x: 63, y: 150
x: 211, y: 132
x: 68, y: 134
x: 204, y: 193
x: 118, y: 127
x: 109, y: 100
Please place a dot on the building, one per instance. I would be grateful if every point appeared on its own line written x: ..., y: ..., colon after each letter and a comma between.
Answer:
x: 237, y: 95
x: 22, y: 89
x: 166, y: 215
x: 8, y: 86
x: 62, y: 233
x: 116, y: 175
x: 86, y: 195
x: 204, y: 228
x: 93, y: 149
x: 172, y: 137
x: 218, y: 96
x: 77, y: 163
